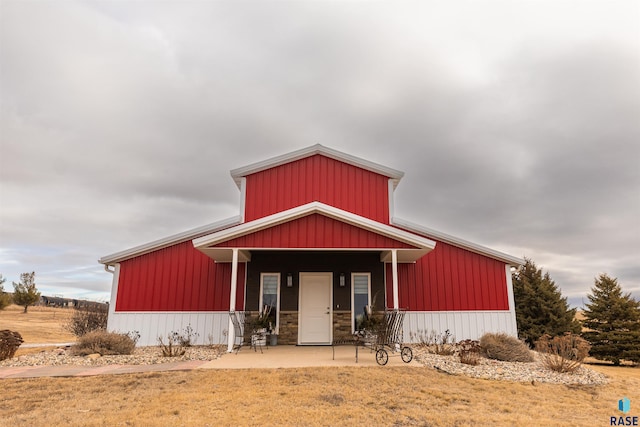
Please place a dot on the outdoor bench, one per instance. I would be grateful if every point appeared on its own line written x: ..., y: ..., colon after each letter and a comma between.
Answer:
x: 356, y: 340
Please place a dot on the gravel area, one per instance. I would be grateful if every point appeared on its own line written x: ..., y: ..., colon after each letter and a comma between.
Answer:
x: 141, y: 356
x: 510, y: 371
x: 487, y: 368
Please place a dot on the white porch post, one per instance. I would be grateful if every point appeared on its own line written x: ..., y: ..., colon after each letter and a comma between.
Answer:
x: 232, y: 298
x: 394, y: 269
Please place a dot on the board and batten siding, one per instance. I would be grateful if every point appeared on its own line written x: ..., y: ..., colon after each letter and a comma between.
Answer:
x: 314, y: 231
x: 176, y: 278
x: 450, y: 279
x: 317, y: 178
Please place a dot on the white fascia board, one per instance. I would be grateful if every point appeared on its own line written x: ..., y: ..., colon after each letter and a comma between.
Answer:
x: 308, y: 209
x: 170, y: 240
x: 455, y: 241
x: 241, y: 172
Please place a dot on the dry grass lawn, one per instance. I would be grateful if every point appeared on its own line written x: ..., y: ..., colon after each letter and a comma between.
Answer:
x: 301, y: 397
x: 39, y: 324
x: 310, y: 396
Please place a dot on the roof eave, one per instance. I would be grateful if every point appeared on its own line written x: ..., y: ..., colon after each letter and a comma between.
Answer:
x: 455, y: 241
x: 170, y: 240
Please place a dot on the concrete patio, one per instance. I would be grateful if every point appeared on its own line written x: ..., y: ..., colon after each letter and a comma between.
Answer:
x: 277, y: 357
x: 291, y: 356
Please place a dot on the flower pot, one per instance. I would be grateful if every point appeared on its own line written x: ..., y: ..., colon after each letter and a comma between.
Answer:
x: 273, y: 339
x: 259, y: 339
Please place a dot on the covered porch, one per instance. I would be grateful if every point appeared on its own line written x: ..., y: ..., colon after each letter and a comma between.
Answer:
x: 315, y: 268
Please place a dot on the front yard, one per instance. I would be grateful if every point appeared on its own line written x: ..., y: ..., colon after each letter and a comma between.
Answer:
x: 311, y: 396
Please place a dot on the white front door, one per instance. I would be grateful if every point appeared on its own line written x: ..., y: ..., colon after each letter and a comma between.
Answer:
x: 315, y: 316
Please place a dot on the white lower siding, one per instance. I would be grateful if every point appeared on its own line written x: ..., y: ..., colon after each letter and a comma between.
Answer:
x: 461, y: 324
x: 211, y: 327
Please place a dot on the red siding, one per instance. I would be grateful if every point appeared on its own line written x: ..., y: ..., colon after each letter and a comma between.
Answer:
x: 177, y: 278
x: 314, y: 231
x: 450, y: 278
x: 317, y: 178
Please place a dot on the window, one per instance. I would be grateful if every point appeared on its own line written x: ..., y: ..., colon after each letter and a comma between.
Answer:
x: 270, y: 296
x: 360, y: 297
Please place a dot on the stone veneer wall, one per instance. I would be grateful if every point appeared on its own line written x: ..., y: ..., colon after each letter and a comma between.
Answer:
x: 288, y: 333
x: 341, y: 324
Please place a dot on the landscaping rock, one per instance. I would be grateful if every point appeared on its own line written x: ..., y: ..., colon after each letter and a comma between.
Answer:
x: 141, y: 356
x: 532, y: 372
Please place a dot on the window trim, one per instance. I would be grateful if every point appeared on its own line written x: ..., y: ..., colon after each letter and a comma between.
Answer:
x: 353, y: 296
x: 261, y: 297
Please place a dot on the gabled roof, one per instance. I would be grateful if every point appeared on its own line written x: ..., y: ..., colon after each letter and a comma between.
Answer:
x: 399, y: 229
x: 421, y: 245
x: 168, y: 241
x: 239, y: 173
x: 455, y: 241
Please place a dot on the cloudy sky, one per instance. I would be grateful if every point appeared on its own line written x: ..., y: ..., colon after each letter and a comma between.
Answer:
x: 517, y: 124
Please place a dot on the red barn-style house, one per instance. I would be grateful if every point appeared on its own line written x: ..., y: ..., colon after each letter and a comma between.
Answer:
x: 316, y: 240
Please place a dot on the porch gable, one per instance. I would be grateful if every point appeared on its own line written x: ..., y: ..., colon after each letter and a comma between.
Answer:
x: 314, y: 226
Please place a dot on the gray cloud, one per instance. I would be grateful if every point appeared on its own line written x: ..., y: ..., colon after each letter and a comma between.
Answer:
x: 121, y: 122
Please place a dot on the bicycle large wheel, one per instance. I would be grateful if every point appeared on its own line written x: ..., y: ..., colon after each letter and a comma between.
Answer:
x: 382, y: 357
x: 406, y: 354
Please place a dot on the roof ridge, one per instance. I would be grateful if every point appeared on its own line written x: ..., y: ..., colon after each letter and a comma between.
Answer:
x: 238, y: 173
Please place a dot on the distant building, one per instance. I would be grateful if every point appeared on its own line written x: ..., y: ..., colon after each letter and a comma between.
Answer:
x: 68, y: 302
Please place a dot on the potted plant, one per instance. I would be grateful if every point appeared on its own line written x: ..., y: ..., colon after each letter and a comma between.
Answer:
x: 266, y: 323
x: 260, y: 326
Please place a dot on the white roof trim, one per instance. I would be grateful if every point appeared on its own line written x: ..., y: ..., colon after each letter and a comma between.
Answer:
x: 170, y: 240
x: 238, y: 173
x: 455, y: 241
x: 423, y: 244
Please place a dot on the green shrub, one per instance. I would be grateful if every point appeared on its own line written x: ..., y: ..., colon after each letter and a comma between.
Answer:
x: 105, y: 343
x: 505, y: 347
x: 5, y: 298
x: 563, y: 353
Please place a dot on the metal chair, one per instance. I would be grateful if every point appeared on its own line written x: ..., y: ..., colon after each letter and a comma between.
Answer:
x: 257, y: 336
x: 237, y: 318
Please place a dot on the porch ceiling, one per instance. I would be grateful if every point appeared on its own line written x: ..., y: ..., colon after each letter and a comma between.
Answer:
x: 244, y: 254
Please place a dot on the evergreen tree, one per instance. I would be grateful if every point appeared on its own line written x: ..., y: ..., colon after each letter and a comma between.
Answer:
x: 540, y: 307
x: 613, y: 322
x: 5, y: 298
x: 25, y: 293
